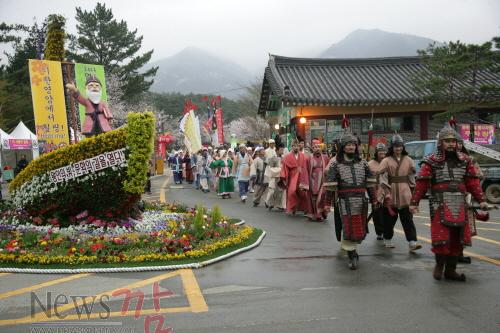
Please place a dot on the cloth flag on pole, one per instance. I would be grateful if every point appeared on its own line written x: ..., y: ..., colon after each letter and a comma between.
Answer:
x: 190, y: 126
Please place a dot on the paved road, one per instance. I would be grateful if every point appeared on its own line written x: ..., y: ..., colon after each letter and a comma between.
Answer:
x: 296, y: 281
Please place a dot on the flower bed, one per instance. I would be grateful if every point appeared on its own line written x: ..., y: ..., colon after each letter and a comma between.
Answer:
x: 166, y: 233
x: 105, y: 175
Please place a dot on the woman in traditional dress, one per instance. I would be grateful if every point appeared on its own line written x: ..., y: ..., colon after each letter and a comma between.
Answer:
x: 223, y: 166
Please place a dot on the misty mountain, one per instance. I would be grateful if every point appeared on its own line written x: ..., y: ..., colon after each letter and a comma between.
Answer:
x: 194, y: 70
x: 376, y: 43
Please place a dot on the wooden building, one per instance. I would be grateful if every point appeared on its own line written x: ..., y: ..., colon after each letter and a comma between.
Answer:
x: 377, y: 91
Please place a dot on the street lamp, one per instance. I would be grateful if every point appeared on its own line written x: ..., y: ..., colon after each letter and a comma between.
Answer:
x: 302, y: 120
x: 277, y: 126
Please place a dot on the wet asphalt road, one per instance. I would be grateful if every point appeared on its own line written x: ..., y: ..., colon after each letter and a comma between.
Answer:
x: 296, y: 281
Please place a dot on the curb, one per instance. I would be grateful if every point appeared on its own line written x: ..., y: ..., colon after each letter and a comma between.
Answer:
x: 133, y: 269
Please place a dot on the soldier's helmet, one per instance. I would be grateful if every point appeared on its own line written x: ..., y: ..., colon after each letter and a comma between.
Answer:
x: 380, y: 147
x: 348, y: 137
x: 447, y: 132
x: 397, y: 140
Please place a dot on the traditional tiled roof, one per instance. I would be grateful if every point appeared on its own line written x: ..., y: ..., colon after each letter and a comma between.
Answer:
x: 348, y: 82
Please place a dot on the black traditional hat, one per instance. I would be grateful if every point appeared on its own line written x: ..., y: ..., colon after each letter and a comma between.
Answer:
x: 92, y: 78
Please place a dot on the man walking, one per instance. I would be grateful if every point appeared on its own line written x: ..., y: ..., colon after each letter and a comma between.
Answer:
x: 257, y: 174
x: 449, y: 174
x: 317, y: 166
x: 348, y: 179
x: 295, y: 177
x: 275, y: 194
x: 398, y: 184
x: 378, y: 213
x: 242, y: 170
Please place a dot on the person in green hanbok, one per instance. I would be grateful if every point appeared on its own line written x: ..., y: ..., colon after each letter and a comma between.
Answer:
x: 223, y: 168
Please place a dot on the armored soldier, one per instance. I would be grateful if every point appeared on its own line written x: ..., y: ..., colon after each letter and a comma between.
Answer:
x: 449, y: 174
x: 347, y: 181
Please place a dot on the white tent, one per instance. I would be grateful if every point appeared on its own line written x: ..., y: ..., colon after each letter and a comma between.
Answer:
x: 10, y: 150
x: 23, y: 132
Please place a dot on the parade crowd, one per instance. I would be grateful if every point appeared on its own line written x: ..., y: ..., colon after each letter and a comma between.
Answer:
x: 314, y: 182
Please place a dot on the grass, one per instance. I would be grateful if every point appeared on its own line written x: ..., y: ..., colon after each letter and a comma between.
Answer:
x: 220, y: 252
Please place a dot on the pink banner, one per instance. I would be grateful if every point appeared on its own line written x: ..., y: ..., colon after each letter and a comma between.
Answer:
x: 19, y: 144
x: 483, y: 134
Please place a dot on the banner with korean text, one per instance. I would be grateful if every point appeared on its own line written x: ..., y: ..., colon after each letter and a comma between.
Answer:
x: 47, y: 92
x: 483, y: 133
x: 82, y: 71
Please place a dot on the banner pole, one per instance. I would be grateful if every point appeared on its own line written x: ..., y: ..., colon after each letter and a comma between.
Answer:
x: 69, y: 67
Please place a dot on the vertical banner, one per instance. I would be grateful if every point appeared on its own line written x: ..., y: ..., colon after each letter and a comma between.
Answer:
x: 82, y: 71
x: 220, y: 125
x: 49, y: 107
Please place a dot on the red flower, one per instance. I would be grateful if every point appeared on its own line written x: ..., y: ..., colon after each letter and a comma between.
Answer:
x: 95, y: 247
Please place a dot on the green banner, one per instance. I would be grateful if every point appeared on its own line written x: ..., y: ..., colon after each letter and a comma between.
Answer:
x: 82, y: 71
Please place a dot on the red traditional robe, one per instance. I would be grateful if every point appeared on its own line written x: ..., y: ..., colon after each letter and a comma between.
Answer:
x: 295, y: 176
x: 450, y: 229
x: 317, y: 167
x: 102, y: 115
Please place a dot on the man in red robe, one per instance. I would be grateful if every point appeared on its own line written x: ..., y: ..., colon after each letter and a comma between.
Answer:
x: 449, y: 174
x: 317, y: 166
x: 295, y: 177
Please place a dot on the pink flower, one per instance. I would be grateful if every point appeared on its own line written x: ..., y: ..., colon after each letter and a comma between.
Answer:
x: 82, y: 215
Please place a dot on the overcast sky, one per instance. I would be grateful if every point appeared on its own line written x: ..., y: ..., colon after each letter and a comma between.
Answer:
x: 246, y: 31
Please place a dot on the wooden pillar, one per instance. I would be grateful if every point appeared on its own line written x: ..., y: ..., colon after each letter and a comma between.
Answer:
x: 424, y: 126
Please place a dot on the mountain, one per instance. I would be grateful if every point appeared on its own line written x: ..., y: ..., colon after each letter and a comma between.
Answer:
x: 376, y: 43
x: 194, y: 70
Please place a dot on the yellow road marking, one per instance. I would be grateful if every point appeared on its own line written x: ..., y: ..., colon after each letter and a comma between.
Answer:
x: 487, y: 240
x: 468, y: 253
x: 191, y: 289
x: 3, y: 274
x: 163, y: 189
x: 42, y: 285
x: 193, y: 292
x: 488, y: 229
x: 487, y: 222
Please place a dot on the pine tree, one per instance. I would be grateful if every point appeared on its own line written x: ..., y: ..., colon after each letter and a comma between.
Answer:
x: 103, y: 40
x: 450, y: 65
x: 54, y: 48
x: 15, y: 95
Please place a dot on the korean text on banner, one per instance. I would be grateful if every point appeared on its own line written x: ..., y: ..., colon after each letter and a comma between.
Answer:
x: 483, y: 133
x: 49, y: 106
x: 82, y: 71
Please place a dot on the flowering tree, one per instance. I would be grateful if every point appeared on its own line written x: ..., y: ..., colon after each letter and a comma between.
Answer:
x: 250, y: 128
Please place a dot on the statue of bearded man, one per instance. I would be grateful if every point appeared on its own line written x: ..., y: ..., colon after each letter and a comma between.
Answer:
x: 97, y: 113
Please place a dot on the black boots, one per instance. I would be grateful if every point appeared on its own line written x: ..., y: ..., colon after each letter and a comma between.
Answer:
x: 450, y: 270
x: 464, y: 260
x: 438, y: 269
x: 353, y: 259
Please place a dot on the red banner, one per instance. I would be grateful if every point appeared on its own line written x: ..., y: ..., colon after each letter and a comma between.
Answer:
x: 220, y: 125
x: 163, y: 141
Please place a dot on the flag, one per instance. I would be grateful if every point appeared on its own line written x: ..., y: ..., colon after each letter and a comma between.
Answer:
x: 220, y: 125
